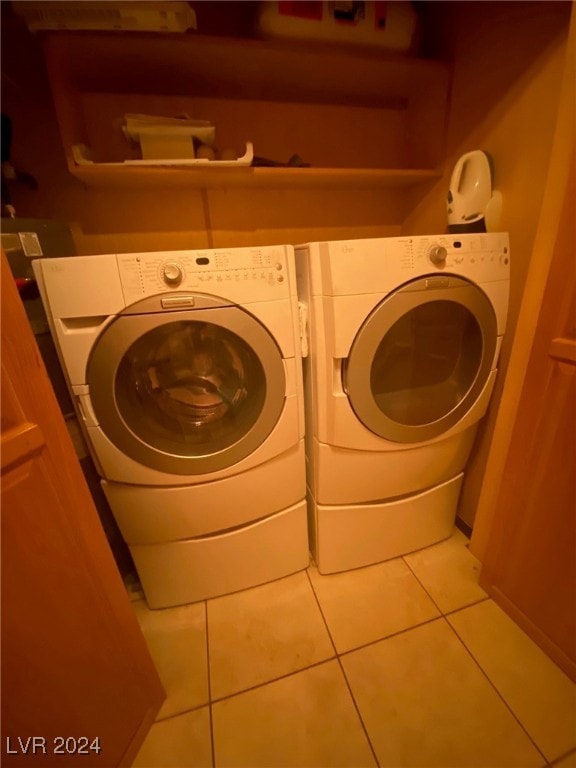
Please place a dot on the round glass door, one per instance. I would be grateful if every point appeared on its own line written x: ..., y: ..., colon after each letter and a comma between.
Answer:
x: 187, y: 392
x: 421, y: 359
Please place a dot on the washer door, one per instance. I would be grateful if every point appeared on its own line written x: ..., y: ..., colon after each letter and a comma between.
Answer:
x: 186, y: 392
x: 421, y: 359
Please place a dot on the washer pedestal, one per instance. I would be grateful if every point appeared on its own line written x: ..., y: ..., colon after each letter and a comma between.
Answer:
x: 181, y: 572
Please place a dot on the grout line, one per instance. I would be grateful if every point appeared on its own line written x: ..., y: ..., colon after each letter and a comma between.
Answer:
x: 342, y: 670
x: 407, y: 564
x: 389, y: 637
x: 429, y: 594
x: 445, y: 615
x: 336, y: 657
x: 378, y: 639
x: 182, y: 712
x: 337, y: 654
x: 273, y: 680
x: 321, y: 611
x: 452, y: 611
x: 493, y: 686
x: 362, y: 723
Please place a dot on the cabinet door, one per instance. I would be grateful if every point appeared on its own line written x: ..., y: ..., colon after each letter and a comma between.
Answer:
x: 77, y: 678
x: 530, y: 562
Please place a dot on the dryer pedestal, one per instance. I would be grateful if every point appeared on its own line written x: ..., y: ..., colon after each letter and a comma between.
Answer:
x: 357, y: 535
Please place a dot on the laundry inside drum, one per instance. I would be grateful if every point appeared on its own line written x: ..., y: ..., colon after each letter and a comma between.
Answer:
x: 190, y: 384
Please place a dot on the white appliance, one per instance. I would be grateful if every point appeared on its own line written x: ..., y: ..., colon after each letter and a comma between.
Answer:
x: 404, y: 335
x: 185, y: 368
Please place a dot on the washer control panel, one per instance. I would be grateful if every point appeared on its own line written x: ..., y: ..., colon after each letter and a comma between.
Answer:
x: 239, y: 274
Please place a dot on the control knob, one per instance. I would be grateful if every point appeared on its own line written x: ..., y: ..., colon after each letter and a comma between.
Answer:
x: 437, y: 255
x: 172, y: 273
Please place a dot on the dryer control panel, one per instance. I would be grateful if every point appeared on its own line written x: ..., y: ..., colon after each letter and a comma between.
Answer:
x: 238, y: 274
x: 487, y: 256
x: 351, y: 267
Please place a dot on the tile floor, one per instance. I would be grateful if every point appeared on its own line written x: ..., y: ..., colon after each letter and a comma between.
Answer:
x: 406, y: 663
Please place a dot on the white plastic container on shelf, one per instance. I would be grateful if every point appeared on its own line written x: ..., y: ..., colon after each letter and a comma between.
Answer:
x: 392, y: 25
x: 167, y: 138
x: 82, y: 157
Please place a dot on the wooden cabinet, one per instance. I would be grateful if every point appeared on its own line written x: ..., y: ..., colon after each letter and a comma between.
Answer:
x: 530, y: 563
x: 74, y: 663
x: 358, y: 119
x: 526, y: 533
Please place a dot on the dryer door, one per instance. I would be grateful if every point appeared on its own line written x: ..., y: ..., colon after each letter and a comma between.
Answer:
x: 421, y: 358
x: 186, y: 392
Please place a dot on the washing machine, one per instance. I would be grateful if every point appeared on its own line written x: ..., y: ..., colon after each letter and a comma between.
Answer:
x: 185, y: 368
x: 404, y: 338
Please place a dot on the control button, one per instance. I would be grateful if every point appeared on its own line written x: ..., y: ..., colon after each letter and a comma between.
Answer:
x: 278, y: 267
x: 437, y: 255
x: 172, y: 273
x: 280, y: 278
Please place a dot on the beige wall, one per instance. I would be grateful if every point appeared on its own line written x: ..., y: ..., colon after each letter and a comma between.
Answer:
x: 508, y: 66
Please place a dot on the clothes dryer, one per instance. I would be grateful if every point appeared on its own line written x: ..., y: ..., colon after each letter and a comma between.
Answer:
x: 185, y: 368
x: 405, y: 335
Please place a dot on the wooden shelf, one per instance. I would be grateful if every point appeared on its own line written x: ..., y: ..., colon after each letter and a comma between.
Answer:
x: 248, y: 177
x: 240, y: 68
x: 361, y: 120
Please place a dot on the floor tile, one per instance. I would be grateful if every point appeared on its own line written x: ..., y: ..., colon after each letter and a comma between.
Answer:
x: 264, y: 633
x: 541, y: 696
x: 449, y: 573
x: 176, y: 638
x: 307, y: 720
x: 368, y: 604
x: 426, y: 703
x: 179, y: 742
